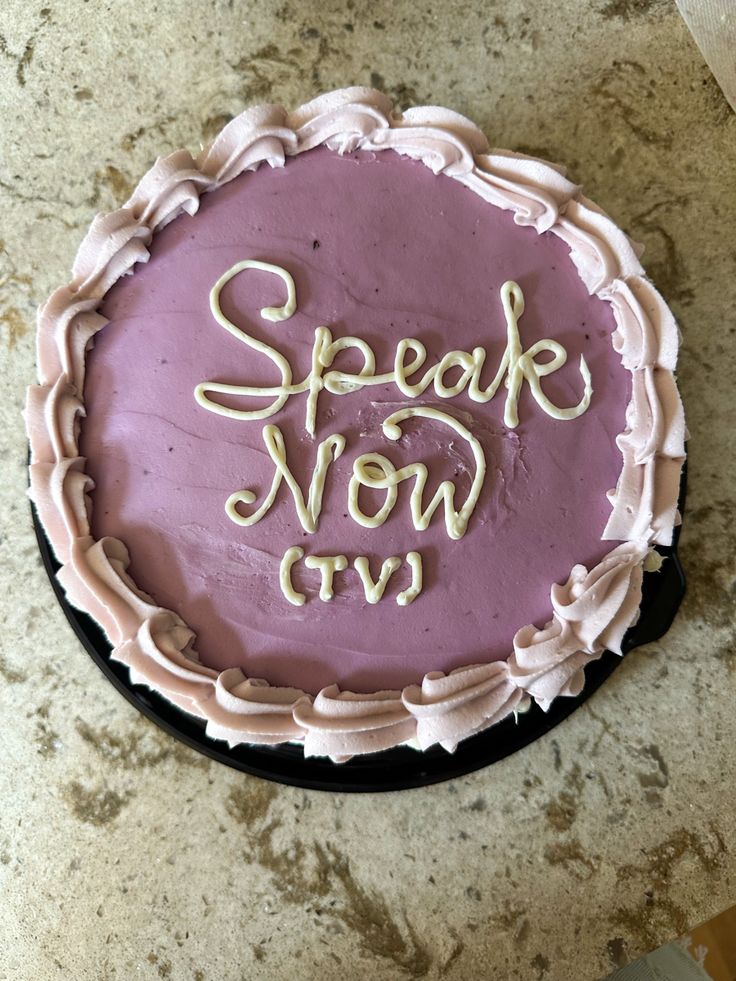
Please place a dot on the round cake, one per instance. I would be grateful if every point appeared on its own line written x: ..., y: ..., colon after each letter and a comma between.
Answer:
x: 351, y: 447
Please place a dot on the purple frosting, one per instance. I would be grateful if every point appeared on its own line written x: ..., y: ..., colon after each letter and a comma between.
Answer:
x: 379, y: 248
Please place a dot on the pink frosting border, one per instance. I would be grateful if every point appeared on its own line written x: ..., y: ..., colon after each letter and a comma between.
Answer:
x: 590, y: 612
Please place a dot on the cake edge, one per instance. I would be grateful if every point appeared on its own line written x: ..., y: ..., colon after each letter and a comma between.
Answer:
x: 591, y: 612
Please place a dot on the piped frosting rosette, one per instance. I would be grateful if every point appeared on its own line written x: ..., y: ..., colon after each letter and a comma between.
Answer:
x: 590, y: 612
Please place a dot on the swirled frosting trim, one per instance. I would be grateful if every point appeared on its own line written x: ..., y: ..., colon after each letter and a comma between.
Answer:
x: 590, y: 612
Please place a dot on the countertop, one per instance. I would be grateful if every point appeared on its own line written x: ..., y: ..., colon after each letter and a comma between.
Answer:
x: 124, y: 854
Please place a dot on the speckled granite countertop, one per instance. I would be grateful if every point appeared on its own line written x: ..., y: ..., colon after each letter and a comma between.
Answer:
x: 123, y: 854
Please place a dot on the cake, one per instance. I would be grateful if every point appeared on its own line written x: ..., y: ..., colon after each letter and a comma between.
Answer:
x: 356, y: 448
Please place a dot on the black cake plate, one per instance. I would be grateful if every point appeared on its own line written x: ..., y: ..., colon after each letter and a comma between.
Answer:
x: 395, y: 769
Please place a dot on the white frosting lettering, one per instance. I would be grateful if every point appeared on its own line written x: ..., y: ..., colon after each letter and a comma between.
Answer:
x: 407, y: 596
x: 273, y: 314
x: 520, y: 365
x: 378, y: 468
x: 373, y: 470
x: 375, y: 590
x: 327, y: 452
x: 516, y: 364
x: 291, y: 555
x: 328, y: 565
x: 376, y: 471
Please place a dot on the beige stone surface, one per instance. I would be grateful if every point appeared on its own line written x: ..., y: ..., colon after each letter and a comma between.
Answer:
x: 125, y: 855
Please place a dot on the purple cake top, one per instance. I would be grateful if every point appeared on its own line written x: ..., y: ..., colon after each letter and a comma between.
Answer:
x: 379, y: 249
